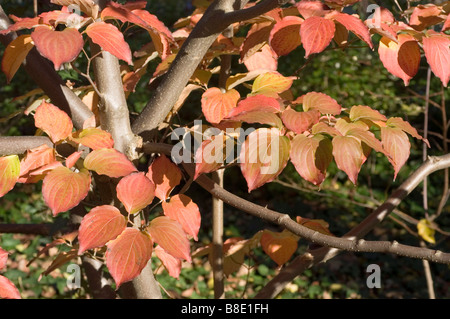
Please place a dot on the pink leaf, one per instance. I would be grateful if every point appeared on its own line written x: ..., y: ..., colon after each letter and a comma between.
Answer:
x: 212, y: 154
x: 182, y: 209
x: 354, y: 25
x: 349, y: 156
x: 321, y: 102
x: 136, y: 192
x: 3, y: 258
x: 263, y: 156
x: 316, y: 34
x: 99, y: 226
x: 299, y: 122
x: 128, y: 254
x: 58, y: 46
x: 255, y: 103
x: 53, y: 121
x: 110, y: 162
x: 216, y: 105
x: 63, y: 189
x: 169, y: 234
x: 312, y: 8
x: 437, y: 53
x: 8, y: 290
x: 397, y: 145
x: 266, y: 59
x: 172, y: 264
x: 165, y: 175
x: 110, y: 39
x: 311, y: 157
x: 72, y: 159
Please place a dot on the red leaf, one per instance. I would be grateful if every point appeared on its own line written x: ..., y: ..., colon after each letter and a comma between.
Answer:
x: 9, y: 173
x: 172, y: 264
x: 20, y: 24
x: 285, y: 35
x: 397, y: 145
x: 349, y: 156
x: 110, y: 162
x: 279, y: 246
x: 169, y: 234
x: 53, y: 121
x: 299, y: 122
x: 255, y: 103
x: 263, y: 156
x: 312, y: 8
x: 99, y: 226
x: 8, y: 290
x: 36, y: 158
x: 316, y: 34
x: 94, y: 138
x: 165, y: 175
x: 182, y: 209
x: 58, y: 46
x: 265, y: 59
x: 73, y: 158
x: 136, y: 192
x: 311, y: 157
x: 401, y: 59
x: 437, y: 53
x: 110, y: 39
x: 321, y: 102
x: 63, y: 189
x: 354, y: 25
x: 212, y: 154
x: 128, y: 254
x: 216, y: 105
x: 15, y: 54
x: 3, y: 258
x: 259, y: 117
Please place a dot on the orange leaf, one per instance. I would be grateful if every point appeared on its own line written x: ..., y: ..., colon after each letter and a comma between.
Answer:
x: 255, y: 103
x: 265, y: 59
x: 53, y: 121
x: 36, y: 158
x: 9, y: 173
x: 316, y: 34
x: 169, y: 234
x: 321, y: 102
x: 349, y: 156
x: 99, y: 226
x: 299, y: 122
x: 8, y: 290
x: 128, y: 254
x: 15, y: 54
x: 437, y: 53
x: 216, y: 105
x: 110, y: 162
x: 311, y: 157
x: 263, y: 156
x: 401, y: 59
x: 424, y: 16
x: 255, y: 40
x: 63, y: 189
x: 172, y: 264
x: 165, y: 175
x: 58, y: 46
x: 3, y: 258
x: 135, y: 191
x: 279, y: 246
x: 259, y: 117
x: 20, y: 24
x: 358, y: 112
x: 285, y: 35
x: 72, y: 159
x: 93, y: 138
x: 397, y: 145
x: 110, y: 39
x: 182, y: 209
x: 212, y: 154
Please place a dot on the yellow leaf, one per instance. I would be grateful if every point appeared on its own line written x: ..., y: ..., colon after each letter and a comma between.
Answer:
x: 15, y: 54
x: 425, y: 231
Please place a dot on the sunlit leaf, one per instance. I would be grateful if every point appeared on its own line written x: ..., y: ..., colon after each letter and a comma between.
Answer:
x: 9, y: 173
x: 99, y: 226
x: 212, y: 154
x: 172, y: 264
x: 15, y: 53
x: 316, y: 34
x: 53, y: 121
x: 285, y: 35
x: 255, y: 103
x: 182, y: 209
x: 299, y: 122
x: 3, y: 258
x: 8, y: 290
x: 321, y: 102
x: 271, y: 82
x: 349, y: 156
x: 426, y: 231
x: 437, y: 53
x: 397, y: 145
x: 94, y: 138
x: 165, y: 175
x: 217, y: 104
x: 135, y: 191
x: 128, y: 254
x: 358, y: 112
x: 58, y: 46
x: 63, y: 189
x: 110, y: 162
x: 169, y: 234
x: 279, y: 246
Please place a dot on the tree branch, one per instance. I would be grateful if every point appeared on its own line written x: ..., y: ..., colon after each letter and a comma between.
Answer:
x: 219, y: 15
x: 12, y: 145
x: 43, y: 73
